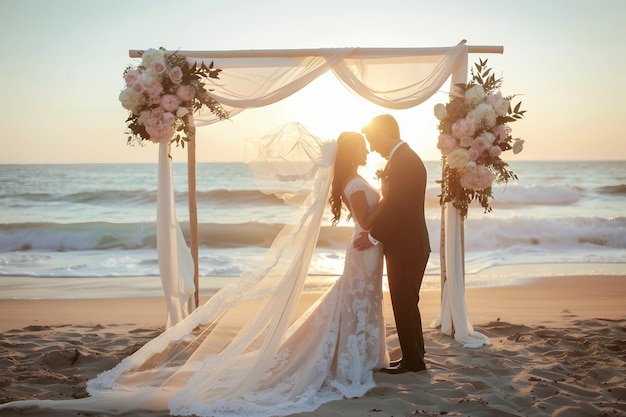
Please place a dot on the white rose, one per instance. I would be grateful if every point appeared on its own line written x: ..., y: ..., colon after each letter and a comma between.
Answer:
x: 458, y: 158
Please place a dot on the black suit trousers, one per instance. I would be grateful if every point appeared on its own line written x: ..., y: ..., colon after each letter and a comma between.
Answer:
x: 405, y: 275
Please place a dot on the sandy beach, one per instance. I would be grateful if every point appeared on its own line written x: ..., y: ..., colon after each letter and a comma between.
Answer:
x: 558, y: 349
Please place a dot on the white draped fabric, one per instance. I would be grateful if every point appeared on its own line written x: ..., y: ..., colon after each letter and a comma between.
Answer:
x: 454, y: 318
x: 393, y: 78
x: 175, y: 262
x: 396, y: 78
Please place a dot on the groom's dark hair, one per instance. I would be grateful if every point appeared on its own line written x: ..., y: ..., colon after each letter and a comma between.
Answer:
x: 384, y: 123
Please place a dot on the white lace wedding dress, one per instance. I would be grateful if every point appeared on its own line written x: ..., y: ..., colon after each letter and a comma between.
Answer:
x: 246, y: 351
x: 331, y: 351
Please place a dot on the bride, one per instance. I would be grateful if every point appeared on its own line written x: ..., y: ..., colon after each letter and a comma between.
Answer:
x: 244, y: 352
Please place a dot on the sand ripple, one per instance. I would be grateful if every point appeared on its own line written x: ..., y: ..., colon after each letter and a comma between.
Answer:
x: 528, y: 371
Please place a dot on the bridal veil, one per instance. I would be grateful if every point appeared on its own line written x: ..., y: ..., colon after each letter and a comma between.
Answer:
x: 222, y: 351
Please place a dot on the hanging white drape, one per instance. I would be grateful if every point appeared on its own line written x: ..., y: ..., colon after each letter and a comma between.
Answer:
x: 395, y: 78
x: 392, y: 78
x: 175, y: 262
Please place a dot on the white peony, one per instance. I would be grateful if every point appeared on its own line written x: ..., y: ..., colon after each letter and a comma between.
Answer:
x: 483, y: 116
x: 474, y: 96
x: 131, y: 100
x: 477, y: 177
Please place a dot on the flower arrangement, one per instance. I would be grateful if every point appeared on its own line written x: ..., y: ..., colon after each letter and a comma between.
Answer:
x: 160, y: 95
x: 474, y: 132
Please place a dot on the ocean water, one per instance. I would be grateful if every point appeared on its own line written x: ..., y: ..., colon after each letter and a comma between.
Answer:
x: 93, y: 226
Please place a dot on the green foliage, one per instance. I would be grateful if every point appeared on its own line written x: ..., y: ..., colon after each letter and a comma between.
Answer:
x: 457, y: 109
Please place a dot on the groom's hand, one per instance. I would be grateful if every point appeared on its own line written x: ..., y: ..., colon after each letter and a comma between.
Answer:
x: 362, y: 242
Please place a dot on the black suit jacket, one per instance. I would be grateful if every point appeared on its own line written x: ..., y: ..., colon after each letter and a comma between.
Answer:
x: 402, y: 224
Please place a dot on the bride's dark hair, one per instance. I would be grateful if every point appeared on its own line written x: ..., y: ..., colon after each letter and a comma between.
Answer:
x: 345, y: 167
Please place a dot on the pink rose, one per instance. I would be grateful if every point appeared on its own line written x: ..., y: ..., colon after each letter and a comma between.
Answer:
x: 500, y: 133
x: 446, y: 143
x: 473, y: 154
x: 500, y: 104
x: 477, y: 178
x: 159, y: 66
x: 138, y: 87
x: 159, y: 125
x: 495, y: 151
x: 169, y: 102
x: 176, y: 74
x: 492, y: 98
x: 185, y: 92
x: 480, y: 144
x: 463, y: 127
x: 131, y: 76
x: 153, y: 92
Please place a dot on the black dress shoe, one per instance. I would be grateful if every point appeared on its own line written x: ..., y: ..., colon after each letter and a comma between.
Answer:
x: 395, y: 370
x: 395, y: 364
x: 400, y: 369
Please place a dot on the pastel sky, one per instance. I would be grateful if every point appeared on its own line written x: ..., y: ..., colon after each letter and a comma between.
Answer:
x: 62, y: 64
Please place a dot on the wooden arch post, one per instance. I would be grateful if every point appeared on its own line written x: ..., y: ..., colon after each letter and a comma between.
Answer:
x: 193, y: 205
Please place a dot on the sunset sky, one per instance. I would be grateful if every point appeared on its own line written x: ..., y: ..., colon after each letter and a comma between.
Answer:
x: 62, y: 66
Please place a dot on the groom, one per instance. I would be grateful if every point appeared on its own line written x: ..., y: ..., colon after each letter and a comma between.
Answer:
x: 401, y: 227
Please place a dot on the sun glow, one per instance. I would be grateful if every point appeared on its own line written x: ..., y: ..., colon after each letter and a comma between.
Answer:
x: 327, y: 108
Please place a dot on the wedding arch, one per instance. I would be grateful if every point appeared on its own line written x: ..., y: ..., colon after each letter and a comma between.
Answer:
x: 393, y: 78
